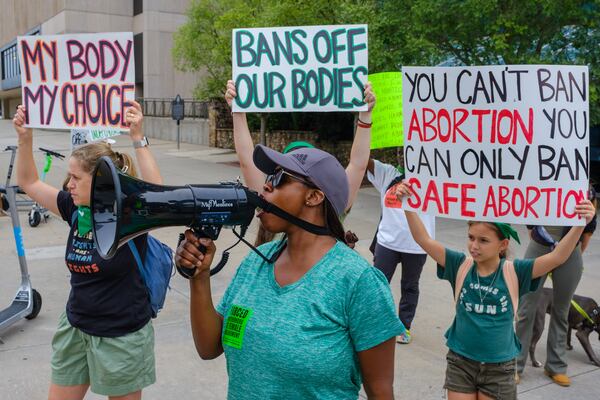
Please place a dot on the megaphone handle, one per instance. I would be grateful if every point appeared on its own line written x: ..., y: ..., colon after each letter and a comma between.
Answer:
x: 186, y: 272
x: 201, y: 233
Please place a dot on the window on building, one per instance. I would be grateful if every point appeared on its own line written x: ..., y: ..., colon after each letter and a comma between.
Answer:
x: 138, y: 54
x: 10, y: 62
x: 10, y: 72
x: 138, y: 7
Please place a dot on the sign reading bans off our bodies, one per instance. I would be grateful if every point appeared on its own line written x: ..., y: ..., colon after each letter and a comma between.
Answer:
x: 497, y: 143
x: 83, y: 80
x: 310, y: 68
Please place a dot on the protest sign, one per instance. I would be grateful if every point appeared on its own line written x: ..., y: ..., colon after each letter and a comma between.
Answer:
x: 387, y: 115
x: 81, y: 136
x: 306, y: 68
x: 80, y: 80
x: 497, y: 143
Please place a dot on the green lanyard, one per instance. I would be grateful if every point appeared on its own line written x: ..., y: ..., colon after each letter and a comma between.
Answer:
x: 84, y: 220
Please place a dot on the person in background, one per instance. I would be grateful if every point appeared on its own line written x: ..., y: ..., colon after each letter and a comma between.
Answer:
x: 394, y: 243
x: 565, y: 279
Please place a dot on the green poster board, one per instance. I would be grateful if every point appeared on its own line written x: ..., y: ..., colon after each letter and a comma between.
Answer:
x: 387, y: 114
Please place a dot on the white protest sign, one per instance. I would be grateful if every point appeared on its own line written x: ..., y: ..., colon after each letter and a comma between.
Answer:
x: 80, y: 80
x: 81, y: 136
x: 497, y: 143
x: 306, y: 68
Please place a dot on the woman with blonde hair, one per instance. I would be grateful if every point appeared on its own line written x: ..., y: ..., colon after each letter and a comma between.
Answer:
x: 105, y: 338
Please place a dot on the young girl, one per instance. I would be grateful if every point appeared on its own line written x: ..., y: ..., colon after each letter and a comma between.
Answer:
x: 481, y: 340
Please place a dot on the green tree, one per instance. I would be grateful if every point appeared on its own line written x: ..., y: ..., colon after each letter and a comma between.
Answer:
x: 204, y: 42
x: 407, y: 32
x: 484, y: 32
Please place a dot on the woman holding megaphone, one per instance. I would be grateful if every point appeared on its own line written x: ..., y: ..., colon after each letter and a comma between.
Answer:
x: 105, y: 338
x: 314, y: 323
x: 355, y: 170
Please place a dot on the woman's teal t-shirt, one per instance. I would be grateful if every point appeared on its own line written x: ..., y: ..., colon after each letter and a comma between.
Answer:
x: 483, y: 330
x: 301, y: 341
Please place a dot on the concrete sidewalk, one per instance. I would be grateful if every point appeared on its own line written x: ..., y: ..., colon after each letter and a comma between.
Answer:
x: 181, y: 374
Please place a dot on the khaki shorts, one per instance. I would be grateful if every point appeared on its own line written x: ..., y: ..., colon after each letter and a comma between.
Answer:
x: 496, y: 380
x: 111, y: 366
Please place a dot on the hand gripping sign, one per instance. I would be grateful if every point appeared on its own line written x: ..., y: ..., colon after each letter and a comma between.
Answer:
x: 497, y: 143
x: 82, y: 80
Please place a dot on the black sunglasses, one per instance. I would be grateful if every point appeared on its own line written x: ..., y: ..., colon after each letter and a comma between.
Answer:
x: 276, y: 179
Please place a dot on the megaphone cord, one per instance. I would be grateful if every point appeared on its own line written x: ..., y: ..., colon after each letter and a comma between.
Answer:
x: 224, y: 257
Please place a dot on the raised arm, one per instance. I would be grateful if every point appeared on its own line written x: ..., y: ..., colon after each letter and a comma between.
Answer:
x: 206, y: 322
x: 546, y: 263
x: 431, y: 246
x: 361, y: 148
x: 148, y: 167
x: 244, y: 147
x: 27, y: 176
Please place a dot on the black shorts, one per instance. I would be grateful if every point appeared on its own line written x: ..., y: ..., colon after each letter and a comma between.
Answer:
x: 496, y: 380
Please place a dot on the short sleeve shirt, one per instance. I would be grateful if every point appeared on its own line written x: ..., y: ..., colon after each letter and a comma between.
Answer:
x: 108, y: 298
x: 301, y: 341
x: 482, y: 329
x: 393, y: 232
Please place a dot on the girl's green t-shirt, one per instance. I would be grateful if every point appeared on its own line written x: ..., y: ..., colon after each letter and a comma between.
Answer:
x: 483, y: 329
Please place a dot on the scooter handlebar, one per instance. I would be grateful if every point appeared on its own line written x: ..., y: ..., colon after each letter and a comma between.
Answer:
x: 52, y: 153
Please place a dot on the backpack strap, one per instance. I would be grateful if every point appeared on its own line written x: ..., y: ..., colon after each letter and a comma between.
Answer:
x: 74, y: 217
x: 512, y: 282
x: 136, y: 255
x: 461, y: 274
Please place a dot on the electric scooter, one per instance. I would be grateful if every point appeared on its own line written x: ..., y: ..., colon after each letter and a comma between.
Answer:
x: 38, y: 212
x: 27, y: 302
x: 22, y: 202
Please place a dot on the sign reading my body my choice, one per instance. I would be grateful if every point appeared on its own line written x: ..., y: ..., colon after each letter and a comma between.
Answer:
x: 310, y: 68
x: 82, y: 80
x: 497, y: 143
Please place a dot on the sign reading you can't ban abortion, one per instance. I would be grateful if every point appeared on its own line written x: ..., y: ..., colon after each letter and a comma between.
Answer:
x: 497, y: 143
x: 83, y: 80
x: 310, y: 68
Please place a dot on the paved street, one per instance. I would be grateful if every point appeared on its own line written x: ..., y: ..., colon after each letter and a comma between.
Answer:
x: 181, y: 374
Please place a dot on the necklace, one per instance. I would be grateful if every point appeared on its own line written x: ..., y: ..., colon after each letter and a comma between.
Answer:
x: 489, y: 286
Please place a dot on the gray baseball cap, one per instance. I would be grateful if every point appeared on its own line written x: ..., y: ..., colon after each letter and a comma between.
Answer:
x: 320, y: 167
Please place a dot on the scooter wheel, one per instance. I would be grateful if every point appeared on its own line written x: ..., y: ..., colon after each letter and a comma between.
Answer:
x: 37, y: 304
x: 34, y: 218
